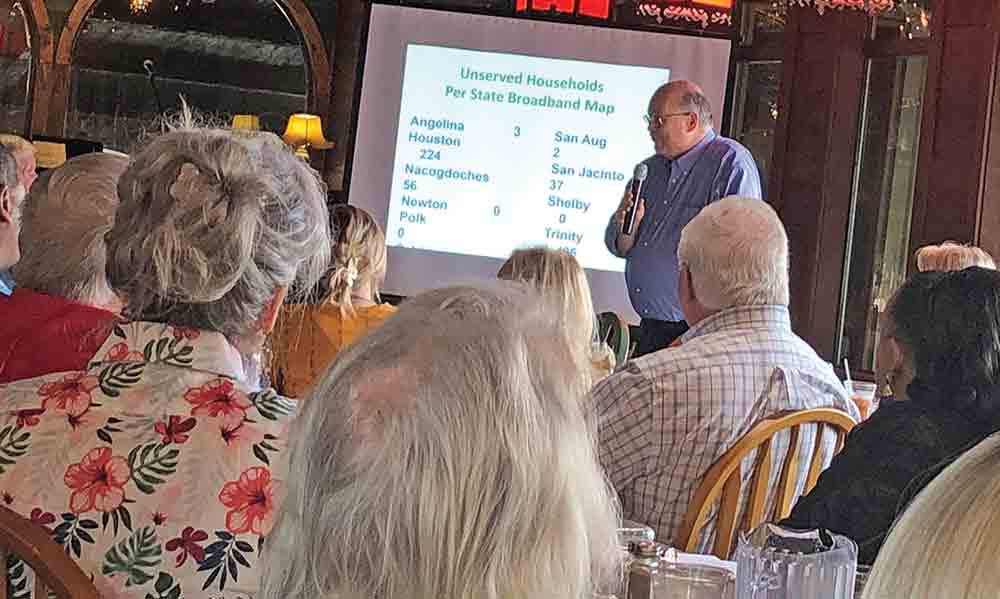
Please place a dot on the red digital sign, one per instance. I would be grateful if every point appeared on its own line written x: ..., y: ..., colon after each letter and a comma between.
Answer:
x: 718, y: 11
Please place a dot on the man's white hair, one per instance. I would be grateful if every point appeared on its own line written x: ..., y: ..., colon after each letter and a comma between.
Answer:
x: 67, y: 214
x: 947, y: 540
x: 736, y: 250
x: 446, y: 456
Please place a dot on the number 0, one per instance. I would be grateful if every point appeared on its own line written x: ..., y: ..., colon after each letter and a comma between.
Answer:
x: 496, y: 210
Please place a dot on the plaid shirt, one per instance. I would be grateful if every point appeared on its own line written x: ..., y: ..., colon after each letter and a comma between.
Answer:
x: 668, y: 416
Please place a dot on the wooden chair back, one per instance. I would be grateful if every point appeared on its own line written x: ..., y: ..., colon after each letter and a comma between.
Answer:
x: 613, y: 330
x: 724, y: 481
x: 54, y: 570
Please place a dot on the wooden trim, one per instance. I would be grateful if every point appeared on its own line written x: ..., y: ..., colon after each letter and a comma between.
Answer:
x: 785, y: 88
x: 39, y: 15
x: 298, y: 13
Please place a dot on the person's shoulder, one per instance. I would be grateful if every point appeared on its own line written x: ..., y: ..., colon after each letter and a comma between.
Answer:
x: 730, y: 148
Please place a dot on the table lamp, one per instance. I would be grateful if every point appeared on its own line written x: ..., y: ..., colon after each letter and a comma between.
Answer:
x: 305, y: 131
x: 246, y: 122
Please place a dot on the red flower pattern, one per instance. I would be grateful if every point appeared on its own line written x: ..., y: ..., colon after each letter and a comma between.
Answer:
x: 98, y: 481
x: 71, y: 393
x: 175, y: 430
x: 250, y: 501
x: 185, y: 333
x: 120, y: 352
x: 42, y: 518
x: 28, y: 417
x: 187, y: 544
x: 221, y: 399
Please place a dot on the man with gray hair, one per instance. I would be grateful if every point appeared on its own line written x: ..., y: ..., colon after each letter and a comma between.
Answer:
x: 667, y: 417
x: 11, y: 200
x: 692, y: 167
x: 64, y: 305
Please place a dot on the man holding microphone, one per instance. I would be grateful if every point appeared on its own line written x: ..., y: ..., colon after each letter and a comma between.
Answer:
x: 692, y: 167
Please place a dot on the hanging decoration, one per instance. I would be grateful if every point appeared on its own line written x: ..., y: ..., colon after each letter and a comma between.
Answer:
x: 870, y: 6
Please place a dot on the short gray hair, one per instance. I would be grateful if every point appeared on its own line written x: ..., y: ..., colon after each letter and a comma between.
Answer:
x: 8, y: 169
x: 949, y: 256
x: 68, y: 212
x: 211, y: 224
x: 736, y: 250
x: 446, y: 455
x: 941, y: 545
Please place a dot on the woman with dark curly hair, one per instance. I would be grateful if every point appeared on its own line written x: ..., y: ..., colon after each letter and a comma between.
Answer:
x: 941, y: 348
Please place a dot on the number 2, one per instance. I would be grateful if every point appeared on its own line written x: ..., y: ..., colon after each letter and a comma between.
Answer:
x: 555, y: 153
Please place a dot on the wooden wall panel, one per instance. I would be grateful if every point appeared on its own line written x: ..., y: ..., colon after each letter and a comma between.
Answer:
x: 957, y: 118
x: 817, y: 147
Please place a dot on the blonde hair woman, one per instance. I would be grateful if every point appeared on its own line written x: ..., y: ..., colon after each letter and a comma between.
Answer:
x: 446, y: 456
x: 945, y: 543
x: 310, y: 335
x: 558, y: 275
x: 949, y: 256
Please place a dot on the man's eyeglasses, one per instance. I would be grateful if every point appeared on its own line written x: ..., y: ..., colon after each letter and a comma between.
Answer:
x: 656, y: 120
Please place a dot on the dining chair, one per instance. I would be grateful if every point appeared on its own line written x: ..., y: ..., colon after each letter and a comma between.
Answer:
x: 723, y: 485
x: 55, y: 572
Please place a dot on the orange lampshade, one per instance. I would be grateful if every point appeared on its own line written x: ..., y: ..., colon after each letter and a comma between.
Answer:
x: 305, y: 131
x: 248, y: 122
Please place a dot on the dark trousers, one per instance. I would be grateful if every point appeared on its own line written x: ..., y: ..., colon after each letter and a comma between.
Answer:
x: 655, y: 335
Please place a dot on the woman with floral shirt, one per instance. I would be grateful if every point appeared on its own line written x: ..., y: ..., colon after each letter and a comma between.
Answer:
x: 158, y: 468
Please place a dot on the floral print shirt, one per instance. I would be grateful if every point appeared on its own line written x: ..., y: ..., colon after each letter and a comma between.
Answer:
x: 152, y: 468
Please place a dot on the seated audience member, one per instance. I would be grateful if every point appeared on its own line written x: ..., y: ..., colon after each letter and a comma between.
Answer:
x: 945, y: 543
x: 64, y: 306
x: 668, y: 416
x: 445, y: 455
x: 24, y: 155
x: 23, y: 152
x: 159, y: 449
x: 941, y: 340
x: 11, y: 204
x: 952, y: 256
x: 310, y: 335
x: 557, y: 274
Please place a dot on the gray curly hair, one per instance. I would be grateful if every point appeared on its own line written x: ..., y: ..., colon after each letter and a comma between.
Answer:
x: 210, y: 224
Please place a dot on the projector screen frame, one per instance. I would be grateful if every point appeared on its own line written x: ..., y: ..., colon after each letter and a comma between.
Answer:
x: 723, y: 119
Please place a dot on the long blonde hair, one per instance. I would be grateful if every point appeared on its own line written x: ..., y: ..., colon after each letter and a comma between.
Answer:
x: 446, y: 456
x: 945, y: 543
x: 558, y: 275
x: 358, y: 255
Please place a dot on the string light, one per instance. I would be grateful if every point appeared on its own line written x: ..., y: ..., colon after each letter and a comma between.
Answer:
x: 912, y: 15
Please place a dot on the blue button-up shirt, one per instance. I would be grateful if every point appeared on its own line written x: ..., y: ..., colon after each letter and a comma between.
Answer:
x: 675, y: 191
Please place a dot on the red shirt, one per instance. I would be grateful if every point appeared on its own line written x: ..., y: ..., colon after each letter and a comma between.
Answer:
x: 42, y: 334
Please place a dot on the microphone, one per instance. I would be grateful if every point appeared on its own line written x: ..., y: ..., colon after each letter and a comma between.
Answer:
x: 634, y: 187
x: 148, y: 65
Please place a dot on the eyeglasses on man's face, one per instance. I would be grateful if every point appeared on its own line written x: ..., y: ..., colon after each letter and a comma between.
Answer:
x: 656, y: 120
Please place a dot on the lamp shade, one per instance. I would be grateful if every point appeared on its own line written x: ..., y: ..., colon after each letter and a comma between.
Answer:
x: 249, y: 122
x: 306, y: 130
